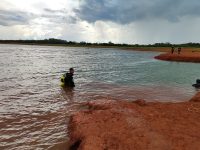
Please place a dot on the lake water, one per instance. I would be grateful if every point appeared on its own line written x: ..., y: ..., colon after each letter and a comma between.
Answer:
x: 34, y: 108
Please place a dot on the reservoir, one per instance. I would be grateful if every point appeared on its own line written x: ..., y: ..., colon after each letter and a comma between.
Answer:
x: 35, y: 109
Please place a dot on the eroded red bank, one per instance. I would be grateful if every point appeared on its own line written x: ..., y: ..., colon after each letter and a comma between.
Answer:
x: 122, y: 125
x: 183, y: 57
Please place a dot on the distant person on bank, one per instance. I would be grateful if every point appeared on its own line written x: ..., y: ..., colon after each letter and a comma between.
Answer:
x: 179, y: 50
x: 172, y: 50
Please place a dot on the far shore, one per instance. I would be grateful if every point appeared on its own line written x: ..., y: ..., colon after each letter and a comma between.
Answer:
x: 188, y: 54
x: 136, y: 48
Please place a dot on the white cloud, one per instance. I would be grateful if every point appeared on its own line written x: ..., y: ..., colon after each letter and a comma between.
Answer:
x: 117, y: 21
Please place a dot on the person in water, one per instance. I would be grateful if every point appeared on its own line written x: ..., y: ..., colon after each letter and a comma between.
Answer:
x: 68, y: 80
x: 197, y: 85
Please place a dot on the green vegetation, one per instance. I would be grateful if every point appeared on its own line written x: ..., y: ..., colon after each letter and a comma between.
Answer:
x: 60, y: 42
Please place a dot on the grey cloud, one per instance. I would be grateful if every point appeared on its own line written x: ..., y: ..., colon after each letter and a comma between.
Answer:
x: 58, y: 16
x: 15, y: 17
x: 54, y: 11
x: 128, y: 11
x: 9, y: 18
x: 60, y: 19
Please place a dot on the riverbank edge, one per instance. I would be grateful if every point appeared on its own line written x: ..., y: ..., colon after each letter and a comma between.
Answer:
x: 183, y: 57
x: 110, y: 124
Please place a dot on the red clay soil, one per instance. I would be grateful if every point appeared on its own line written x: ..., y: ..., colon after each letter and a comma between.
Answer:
x: 122, y: 125
x: 183, y: 57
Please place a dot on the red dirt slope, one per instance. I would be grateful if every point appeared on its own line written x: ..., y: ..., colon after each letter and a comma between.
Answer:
x: 122, y: 125
x: 183, y: 57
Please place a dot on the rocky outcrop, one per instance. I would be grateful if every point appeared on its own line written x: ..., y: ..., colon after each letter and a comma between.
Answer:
x: 138, y: 125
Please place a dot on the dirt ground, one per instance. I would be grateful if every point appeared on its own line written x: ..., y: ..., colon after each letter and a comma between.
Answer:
x: 182, y: 57
x: 188, y: 54
x: 138, y: 125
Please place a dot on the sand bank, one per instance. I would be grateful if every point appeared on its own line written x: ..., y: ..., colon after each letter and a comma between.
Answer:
x: 183, y: 57
x: 186, y: 55
x: 163, y: 49
x: 123, y: 125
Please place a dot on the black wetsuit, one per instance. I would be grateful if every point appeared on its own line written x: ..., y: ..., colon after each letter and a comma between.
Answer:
x: 197, y: 85
x: 69, y: 81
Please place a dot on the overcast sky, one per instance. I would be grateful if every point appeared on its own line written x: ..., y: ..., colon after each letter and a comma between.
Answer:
x: 118, y: 21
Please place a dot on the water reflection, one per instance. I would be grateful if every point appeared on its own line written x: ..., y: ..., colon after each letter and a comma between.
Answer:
x: 68, y: 93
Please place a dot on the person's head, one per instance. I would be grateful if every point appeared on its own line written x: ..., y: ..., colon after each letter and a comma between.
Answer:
x: 71, y: 70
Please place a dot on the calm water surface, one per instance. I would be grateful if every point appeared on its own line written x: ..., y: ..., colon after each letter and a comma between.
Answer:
x: 34, y: 109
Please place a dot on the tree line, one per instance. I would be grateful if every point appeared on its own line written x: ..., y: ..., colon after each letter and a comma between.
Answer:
x: 53, y: 41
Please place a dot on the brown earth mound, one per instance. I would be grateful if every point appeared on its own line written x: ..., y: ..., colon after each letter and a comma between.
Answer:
x: 196, y: 98
x: 183, y: 57
x: 122, y: 125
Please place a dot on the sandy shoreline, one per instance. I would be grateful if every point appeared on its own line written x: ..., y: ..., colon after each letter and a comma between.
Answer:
x: 109, y: 124
x: 183, y: 57
x: 139, y: 125
x: 164, y: 49
x: 186, y: 55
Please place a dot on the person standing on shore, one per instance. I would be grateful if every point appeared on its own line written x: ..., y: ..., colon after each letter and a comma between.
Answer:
x: 179, y: 50
x: 172, y: 50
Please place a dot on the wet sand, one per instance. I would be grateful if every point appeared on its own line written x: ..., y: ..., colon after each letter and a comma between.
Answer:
x: 139, y: 125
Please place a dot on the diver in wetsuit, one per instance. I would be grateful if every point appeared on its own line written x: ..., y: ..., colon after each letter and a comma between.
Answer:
x: 68, y: 80
x: 197, y: 85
